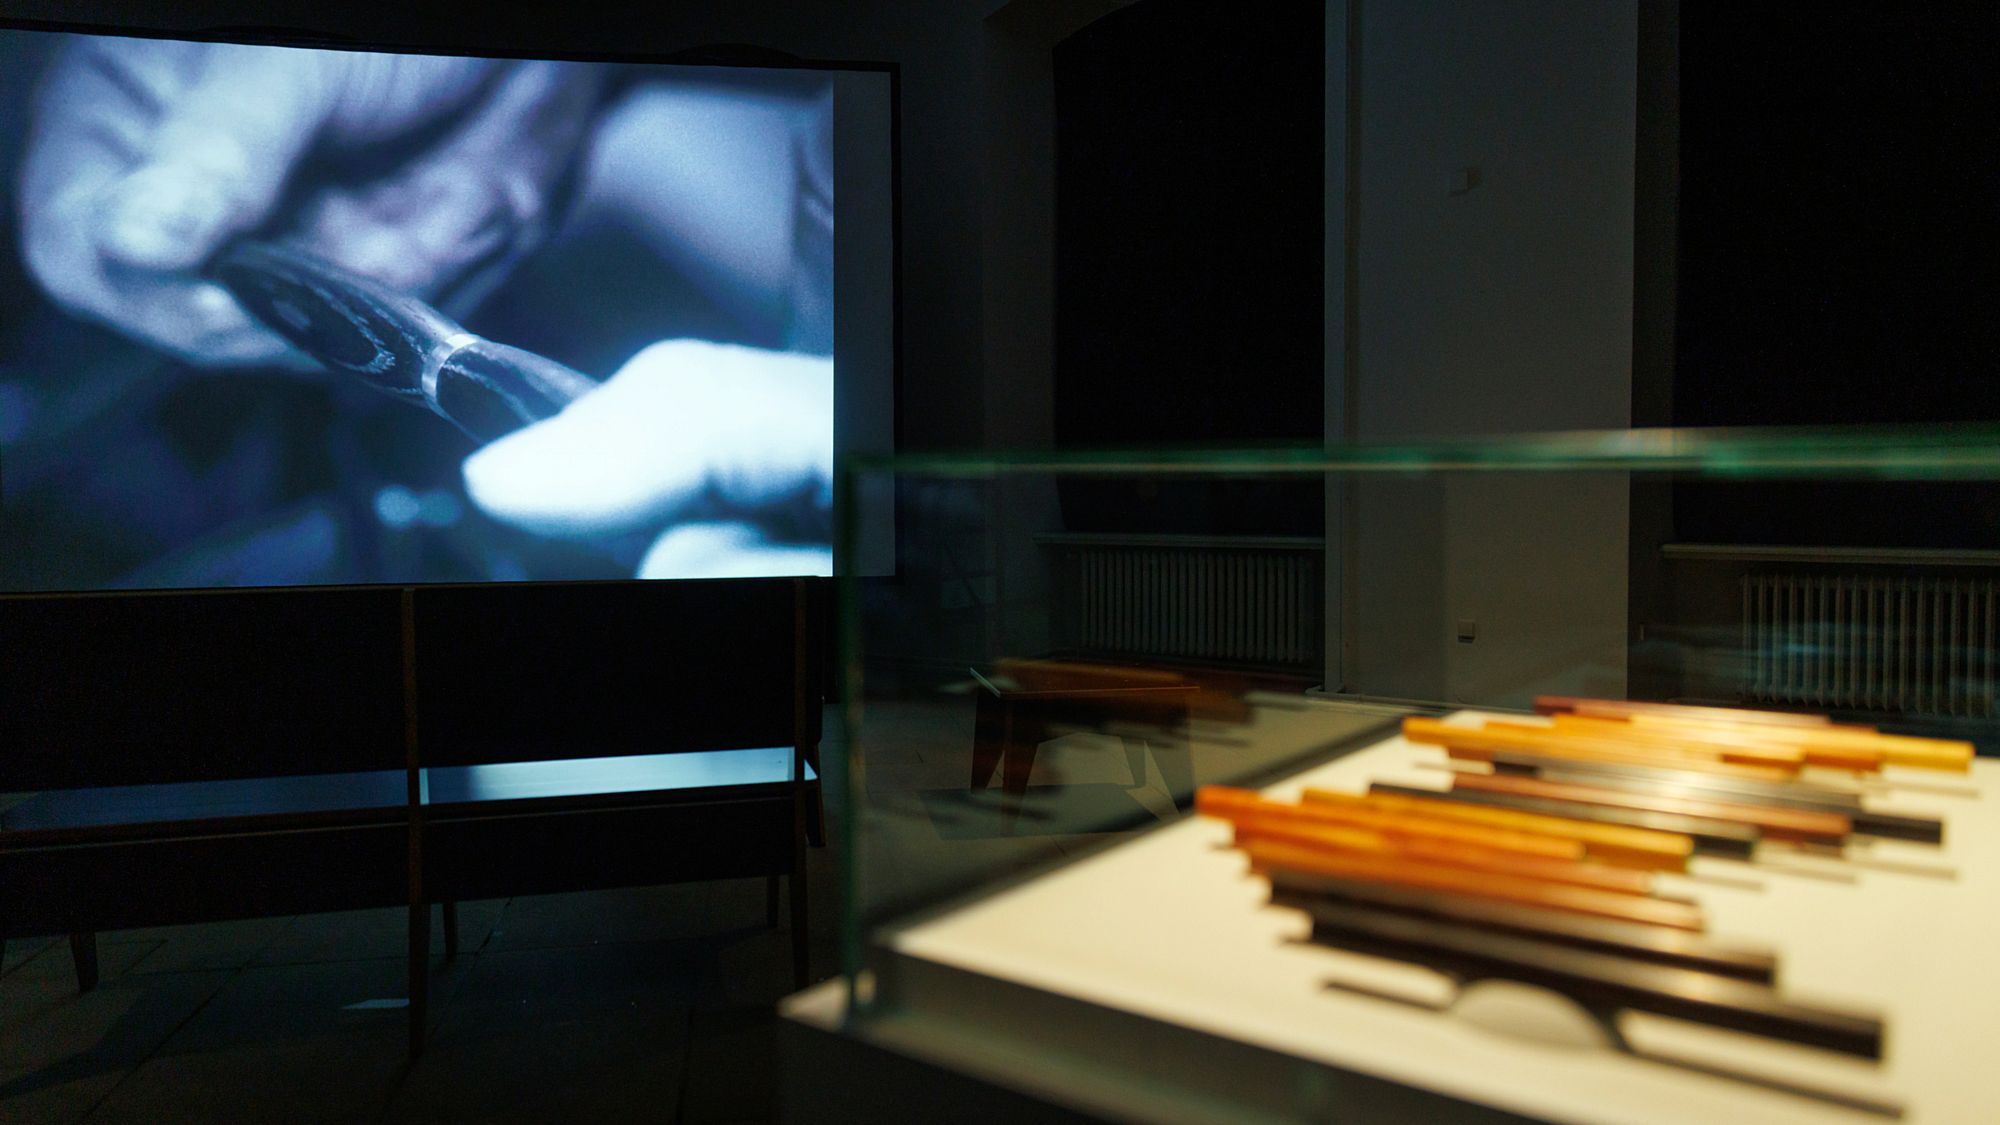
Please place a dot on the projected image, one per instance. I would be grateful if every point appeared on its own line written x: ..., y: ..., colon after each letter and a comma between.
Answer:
x: 279, y: 316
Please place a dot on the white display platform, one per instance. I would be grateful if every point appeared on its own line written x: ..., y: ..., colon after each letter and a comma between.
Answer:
x: 1170, y: 931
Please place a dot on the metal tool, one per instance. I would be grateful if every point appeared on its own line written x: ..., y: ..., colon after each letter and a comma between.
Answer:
x: 395, y: 342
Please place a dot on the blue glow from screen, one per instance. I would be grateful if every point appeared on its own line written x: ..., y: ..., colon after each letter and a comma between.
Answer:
x: 666, y: 232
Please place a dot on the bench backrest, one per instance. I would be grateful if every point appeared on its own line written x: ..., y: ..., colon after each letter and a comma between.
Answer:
x: 136, y: 688
x: 126, y: 689
x: 524, y: 673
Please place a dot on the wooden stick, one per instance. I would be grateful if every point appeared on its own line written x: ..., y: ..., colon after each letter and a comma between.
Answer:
x: 1807, y: 825
x: 1831, y: 746
x: 1784, y: 742
x: 1802, y: 794
x: 1710, y: 836
x: 1268, y: 855
x: 1822, y: 735
x: 1303, y: 890
x: 1233, y: 804
x: 1596, y: 980
x: 1598, y: 876
x: 1719, y: 769
x: 1813, y: 746
x: 1625, y: 847
x: 1480, y: 743
x: 1705, y: 787
x: 1621, y: 708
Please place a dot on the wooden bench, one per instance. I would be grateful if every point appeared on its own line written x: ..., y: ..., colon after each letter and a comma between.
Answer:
x: 205, y: 756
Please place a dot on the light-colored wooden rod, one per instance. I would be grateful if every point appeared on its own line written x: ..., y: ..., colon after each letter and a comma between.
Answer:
x: 1398, y: 871
x: 1606, y: 843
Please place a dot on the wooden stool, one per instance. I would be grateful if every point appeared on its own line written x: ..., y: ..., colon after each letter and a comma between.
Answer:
x: 1019, y: 700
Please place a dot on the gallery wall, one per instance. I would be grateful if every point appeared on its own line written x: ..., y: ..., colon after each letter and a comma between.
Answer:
x: 1483, y: 285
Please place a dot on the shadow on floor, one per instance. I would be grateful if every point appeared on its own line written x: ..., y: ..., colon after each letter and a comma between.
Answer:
x: 647, y: 1004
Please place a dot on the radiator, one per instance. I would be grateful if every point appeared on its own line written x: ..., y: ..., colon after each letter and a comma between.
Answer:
x: 1218, y: 601
x: 1919, y: 646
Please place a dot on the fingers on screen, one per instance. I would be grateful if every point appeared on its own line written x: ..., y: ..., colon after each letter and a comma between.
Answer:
x: 448, y: 221
x: 730, y: 550
x: 685, y: 424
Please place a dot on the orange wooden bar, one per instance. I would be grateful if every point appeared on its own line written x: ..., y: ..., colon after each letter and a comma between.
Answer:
x: 1480, y: 743
x: 1834, y: 746
x: 1266, y: 855
x: 1608, y: 843
x: 1598, y: 876
x: 1233, y: 804
x: 1837, y: 745
x: 1683, y: 734
x: 1624, y: 708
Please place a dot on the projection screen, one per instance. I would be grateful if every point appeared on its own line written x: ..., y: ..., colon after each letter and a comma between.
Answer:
x: 273, y: 315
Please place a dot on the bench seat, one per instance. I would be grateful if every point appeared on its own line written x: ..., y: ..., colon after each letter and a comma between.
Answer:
x: 69, y: 816
x: 197, y: 757
x: 142, y: 855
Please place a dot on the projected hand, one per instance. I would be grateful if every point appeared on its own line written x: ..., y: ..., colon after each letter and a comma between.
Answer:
x: 146, y: 157
x: 703, y: 439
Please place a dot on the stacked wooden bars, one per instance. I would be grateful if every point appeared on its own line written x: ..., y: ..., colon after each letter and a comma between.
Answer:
x: 1811, y: 739
x: 1544, y: 869
x: 1777, y: 776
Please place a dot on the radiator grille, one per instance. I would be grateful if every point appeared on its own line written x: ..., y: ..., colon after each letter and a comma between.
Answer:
x: 1921, y: 646
x: 1226, y: 602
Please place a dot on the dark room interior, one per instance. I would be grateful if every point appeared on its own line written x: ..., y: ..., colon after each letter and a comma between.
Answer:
x: 1180, y: 412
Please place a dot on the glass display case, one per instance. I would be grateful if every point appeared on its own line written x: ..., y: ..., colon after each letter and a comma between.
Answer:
x: 1388, y: 780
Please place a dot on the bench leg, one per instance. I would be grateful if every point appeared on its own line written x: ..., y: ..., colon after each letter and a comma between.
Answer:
x: 816, y: 816
x: 1176, y: 770
x: 988, y: 738
x: 816, y: 813
x: 1024, y: 736
x: 83, y: 950
x: 1135, y: 758
x: 420, y: 975
x: 449, y: 912
x: 801, y: 971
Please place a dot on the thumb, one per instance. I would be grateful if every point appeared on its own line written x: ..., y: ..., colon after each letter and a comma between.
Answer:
x: 719, y: 549
x: 218, y: 158
x: 612, y: 461
x: 684, y: 424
